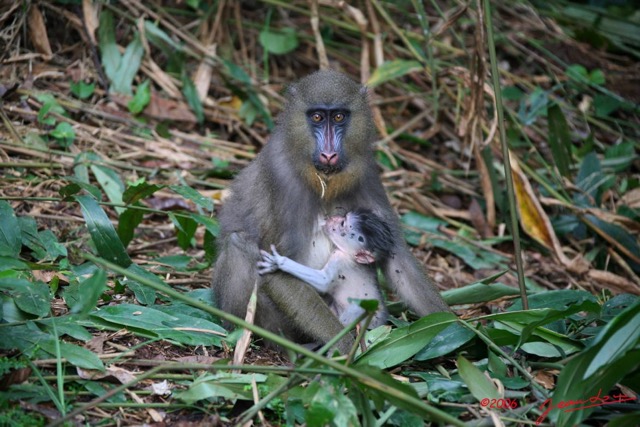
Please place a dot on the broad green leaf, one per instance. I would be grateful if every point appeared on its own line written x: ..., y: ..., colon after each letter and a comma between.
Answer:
x: 104, y: 236
x: 129, y: 66
x: 8, y: 265
x: 127, y: 223
x: 111, y: 183
x: 144, y: 294
x: 139, y: 191
x: 191, y: 95
x: 109, y: 52
x: 542, y: 349
x: 559, y: 139
x: 605, y: 104
x: 31, y: 297
x: 151, y: 322
x: 64, y: 134
x: 479, y: 385
x: 421, y: 222
x: 186, y: 229
x: 33, y: 342
x: 327, y: 404
x: 559, y: 300
x: 615, y: 233
x: 53, y: 248
x: 280, y: 41
x: 160, y: 39
x: 447, y: 341
x: 590, y: 179
x: 222, y: 385
x: 558, y: 340
x: 403, y: 343
x: 175, y: 262
x: 392, y: 70
x: 619, y: 157
x: 72, y: 189
x: 478, y: 292
x: 619, y: 337
x: 82, y: 297
x: 612, y: 355
x: 10, y: 238
x: 81, y: 89
x: 141, y: 99
x: 193, y: 195
x: 533, y: 106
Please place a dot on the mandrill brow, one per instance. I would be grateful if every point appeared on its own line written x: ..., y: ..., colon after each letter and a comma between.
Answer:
x: 319, y: 159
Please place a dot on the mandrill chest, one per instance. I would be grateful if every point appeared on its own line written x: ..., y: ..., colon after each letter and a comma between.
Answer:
x: 320, y: 247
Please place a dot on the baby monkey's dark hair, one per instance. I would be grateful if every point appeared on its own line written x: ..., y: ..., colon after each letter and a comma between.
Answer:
x: 376, y: 231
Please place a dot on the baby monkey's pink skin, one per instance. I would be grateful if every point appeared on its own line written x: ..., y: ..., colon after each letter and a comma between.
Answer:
x: 348, y: 276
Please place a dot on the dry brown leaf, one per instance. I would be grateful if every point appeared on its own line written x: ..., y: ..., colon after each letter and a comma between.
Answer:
x: 205, y: 360
x: 243, y: 343
x: 122, y: 375
x: 533, y: 218
x: 631, y: 199
x: 545, y: 378
x: 91, y: 22
x: 161, y: 108
x: 38, y: 33
x: 613, y: 282
x: 202, y: 77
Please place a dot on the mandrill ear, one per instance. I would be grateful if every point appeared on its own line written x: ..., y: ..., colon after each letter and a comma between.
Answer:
x: 364, y: 90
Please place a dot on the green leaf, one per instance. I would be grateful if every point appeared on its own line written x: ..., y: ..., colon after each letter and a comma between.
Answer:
x: 104, y: 236
x: 403, y: 343
x: 391, y: 70
x: 177, y: 327
x: 72, y: 189
x: 141, y: 99
x: 110, y: 54
x: 122, y: 77
x: 144, y: 294
x: 161, y: 39
x: 193, y: 195
x: 447, y: 341
x: 138, y: 191
x: 610, y: 357
x: 210, y: 224
x: 49, y: 104
x: 605, y: 104
x: 186, y: 228
x: 127, y: 223
x: 619, y: 157
x: 559, y: 139
x: 64, y: 134
x: 191, y: 95
x: 83, y: 296
x: 222, y: 385
x: 10, y: 239
x: 280, y: 41
x: 111, y: 183
x: 30, y: 297
x: 478, y: 292
x: 479, y: 385
x: 81, y: 89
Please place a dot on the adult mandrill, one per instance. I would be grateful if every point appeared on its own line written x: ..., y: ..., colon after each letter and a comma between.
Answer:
x: 319, y: 158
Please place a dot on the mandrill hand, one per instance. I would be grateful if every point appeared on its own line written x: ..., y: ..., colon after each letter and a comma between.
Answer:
x: 270, y: 262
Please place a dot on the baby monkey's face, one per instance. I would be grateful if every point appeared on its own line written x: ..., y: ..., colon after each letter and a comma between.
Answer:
x: 344, y: 232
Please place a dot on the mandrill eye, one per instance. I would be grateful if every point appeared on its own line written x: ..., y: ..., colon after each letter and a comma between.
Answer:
x: 317, y: 117
x: 339, y: 117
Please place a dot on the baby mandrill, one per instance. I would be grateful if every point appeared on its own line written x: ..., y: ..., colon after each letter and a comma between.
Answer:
x: 360, y: 238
